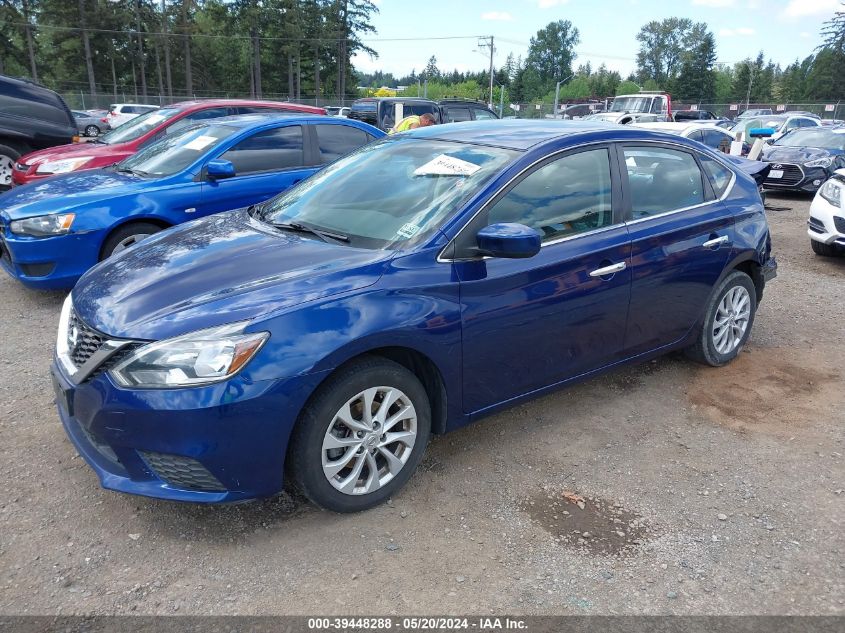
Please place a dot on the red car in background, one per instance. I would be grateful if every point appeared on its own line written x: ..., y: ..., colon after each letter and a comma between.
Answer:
x: 133, y: 135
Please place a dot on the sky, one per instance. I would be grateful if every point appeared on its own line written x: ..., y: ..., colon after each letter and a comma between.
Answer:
x: 783, y: 29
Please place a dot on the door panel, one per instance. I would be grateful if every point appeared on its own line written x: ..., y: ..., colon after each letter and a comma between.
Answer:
x: 673, y: 272
x: 534, y: 322
x: 530, y: 323
x: 242, y: 191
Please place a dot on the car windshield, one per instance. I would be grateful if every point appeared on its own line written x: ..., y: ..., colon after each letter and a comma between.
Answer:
x: 389, y: 193
x: 825, y: 139
x: 173, y: 153
x: 138, y: 126
x: 631, y: 104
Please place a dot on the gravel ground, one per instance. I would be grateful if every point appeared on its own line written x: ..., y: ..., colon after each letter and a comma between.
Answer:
x: 662, y: 488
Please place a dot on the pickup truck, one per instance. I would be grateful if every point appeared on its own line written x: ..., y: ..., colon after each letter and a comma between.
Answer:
x: 382, y: 112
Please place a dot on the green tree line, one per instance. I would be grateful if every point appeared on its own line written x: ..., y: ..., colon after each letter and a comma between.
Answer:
x: 187, y: 47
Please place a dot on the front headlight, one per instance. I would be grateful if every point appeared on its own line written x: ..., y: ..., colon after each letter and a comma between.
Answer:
x: 832, y: 192
x: 819, y: 162
x: 198, y: 358
x: 62, y: 166
x: 43, y: 225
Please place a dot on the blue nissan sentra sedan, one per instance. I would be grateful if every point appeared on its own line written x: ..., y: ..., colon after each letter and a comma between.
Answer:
x: 53, y: 230
x: 412, y: 287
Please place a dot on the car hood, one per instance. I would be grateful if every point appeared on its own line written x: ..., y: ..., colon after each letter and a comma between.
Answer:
x: 216, y: 270
x: 799, y: 155
x: 101, y: 151
x: 68, y: 191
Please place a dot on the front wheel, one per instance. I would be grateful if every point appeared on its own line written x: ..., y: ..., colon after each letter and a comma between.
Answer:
x: 361, y: 436
x: 8, y: 156
x: 825, y: 250
x: 727, y: 321
x: 126, y: 236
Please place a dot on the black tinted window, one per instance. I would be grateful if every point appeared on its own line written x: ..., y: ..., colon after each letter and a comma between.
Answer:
x: 717, y: 140
x: 564, y: 197
x: 211, y: 113
x: 720, y: 176
x: 453, y: 115
x: 338, y: 140
x: 271, y: 150
x: 662, y: 180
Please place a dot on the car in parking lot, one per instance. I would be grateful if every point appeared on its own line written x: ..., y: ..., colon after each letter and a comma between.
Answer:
x: 412, y: 287
x: 120, y: 113
x: 713, y: 136
x: 31, y: 118
x: 141, y: 132
x: 89, y: 123
x: 381, y: 111
x: 826, y: 224
x: 51, y: 232
x: 805, y: 158
x: 780, y: 124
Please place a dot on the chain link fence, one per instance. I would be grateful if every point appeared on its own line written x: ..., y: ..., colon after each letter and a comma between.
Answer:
x: 80, y: 100
x: 825, y: 110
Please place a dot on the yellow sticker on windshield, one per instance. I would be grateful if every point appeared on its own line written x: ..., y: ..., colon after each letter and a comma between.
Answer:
x: 445, y: 165
x: 200, y: 142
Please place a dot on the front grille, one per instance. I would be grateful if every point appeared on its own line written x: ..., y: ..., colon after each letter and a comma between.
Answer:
x: 182, y: 472
x: 816, y: 225
x: 792, y: 175
x: 839, y: 223
x: 88, y: 340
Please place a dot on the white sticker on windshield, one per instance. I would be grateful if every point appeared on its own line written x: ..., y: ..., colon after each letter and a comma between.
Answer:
x: 200, y: 142
x: 408, y: 230
x: 155, y: 118
x: 445, y: 165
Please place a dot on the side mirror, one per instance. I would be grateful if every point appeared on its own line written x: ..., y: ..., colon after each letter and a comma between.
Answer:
x: 219, y: 168
x: 508, y: 240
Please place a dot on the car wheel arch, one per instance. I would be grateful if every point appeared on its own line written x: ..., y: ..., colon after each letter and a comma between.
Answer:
x: 160, y: 222
x: 419, y: 364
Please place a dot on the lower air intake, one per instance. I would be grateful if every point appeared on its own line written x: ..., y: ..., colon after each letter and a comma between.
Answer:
x: 182, y: 472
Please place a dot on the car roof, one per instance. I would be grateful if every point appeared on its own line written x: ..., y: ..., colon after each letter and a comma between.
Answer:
x: 257, y: 119
x: 678, y: 128
x: 521, y: 134
x: 216, y: 103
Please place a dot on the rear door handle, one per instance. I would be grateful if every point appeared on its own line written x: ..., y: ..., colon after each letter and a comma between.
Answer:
x: 608, y: 270
x: 718, y: 241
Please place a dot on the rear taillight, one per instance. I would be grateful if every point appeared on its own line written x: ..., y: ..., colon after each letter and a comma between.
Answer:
x: 104, y: 120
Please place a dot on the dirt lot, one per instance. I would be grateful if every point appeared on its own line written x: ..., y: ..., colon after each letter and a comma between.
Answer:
x: 703, y: 491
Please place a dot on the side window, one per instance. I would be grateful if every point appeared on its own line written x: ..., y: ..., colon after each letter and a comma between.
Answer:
x: 211, y: 113
x: 481, y: 114
x: 421, y: 108
x: 126, y: 110
x: 567, y: 196
x: 270, y: 150
x: 454, y: 115
x: 338, y: 140
x: 696, y: 135
x: 720, y: 176
x: 661, y: 180
x: 716, y: 139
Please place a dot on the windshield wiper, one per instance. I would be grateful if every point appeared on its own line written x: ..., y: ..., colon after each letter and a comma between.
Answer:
x: 134, y: 172
x: 326, y: 236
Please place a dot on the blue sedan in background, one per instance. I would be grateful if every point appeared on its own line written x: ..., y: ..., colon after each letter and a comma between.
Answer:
x: 412, y: 287
x: 52, y: 231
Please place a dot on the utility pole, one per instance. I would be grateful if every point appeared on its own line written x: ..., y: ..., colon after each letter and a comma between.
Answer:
x: 750, y: 83
x: 557, y: 93
x: 484, y: 44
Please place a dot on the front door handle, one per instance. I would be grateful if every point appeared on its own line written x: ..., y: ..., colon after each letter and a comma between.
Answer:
x: 716, y: 242
x: 608, y: 270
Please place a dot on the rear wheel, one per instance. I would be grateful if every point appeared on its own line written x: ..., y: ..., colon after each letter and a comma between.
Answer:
x: 92, y: 130
x: 361, y: 436
x: 126, y: 236
x: 727, y: 321
x: 825, y: 250
x: 8, y: 156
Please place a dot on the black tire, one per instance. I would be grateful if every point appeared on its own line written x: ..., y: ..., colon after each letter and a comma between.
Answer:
x: 825, y: 250
x: 305, y: 452
x: 92, y: 131
x: 704, y: 349
x: 8, y: 157
x: 116, y: 240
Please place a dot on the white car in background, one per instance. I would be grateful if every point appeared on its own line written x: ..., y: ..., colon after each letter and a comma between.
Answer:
x: 712, y: 135
x: 780, y: 123
x: 826, y: 225
x: 120, y: 113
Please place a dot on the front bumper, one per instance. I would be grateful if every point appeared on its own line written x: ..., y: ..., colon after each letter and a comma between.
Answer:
x: 219, y: 443
x: 798, y: 178
x: 826, y: 223
x: 48, y: 263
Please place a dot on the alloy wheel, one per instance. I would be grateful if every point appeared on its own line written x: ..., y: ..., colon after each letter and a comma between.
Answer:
x: 731, y: 319
x: 369, y: 440
x: 6, y: 166
x: 131, y: 240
